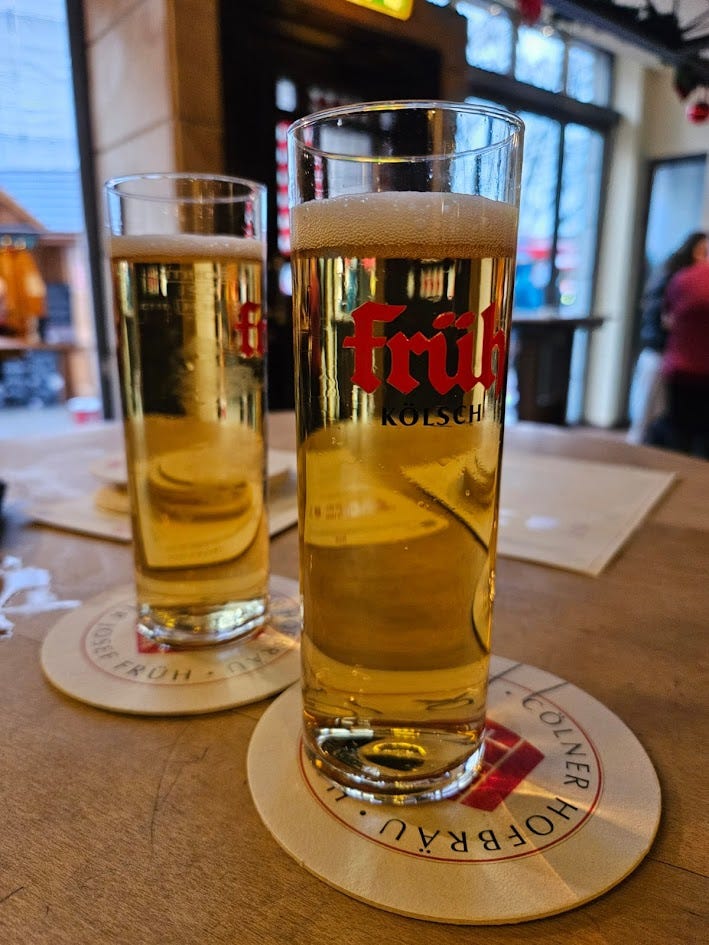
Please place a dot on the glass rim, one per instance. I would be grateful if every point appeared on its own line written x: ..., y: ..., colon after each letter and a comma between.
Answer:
x: 251, y: 188
x: 514, y: 123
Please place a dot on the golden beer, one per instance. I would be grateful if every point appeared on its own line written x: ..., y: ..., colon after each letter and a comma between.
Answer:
x: 401, y: 308
x: 191, y: 331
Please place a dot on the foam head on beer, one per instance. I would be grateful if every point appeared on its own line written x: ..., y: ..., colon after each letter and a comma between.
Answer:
x: 411, y: 224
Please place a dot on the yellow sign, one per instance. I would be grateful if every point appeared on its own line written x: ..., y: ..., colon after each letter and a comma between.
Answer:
x: 401, y: 9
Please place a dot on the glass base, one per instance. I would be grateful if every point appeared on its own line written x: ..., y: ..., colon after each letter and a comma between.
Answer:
x: 202, y: 626
x: 396, y: 766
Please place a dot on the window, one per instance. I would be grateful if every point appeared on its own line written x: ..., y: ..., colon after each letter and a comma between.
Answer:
x: 540, y: 56
x: 675, y: 206
x: 588, y: 75
x: 540, y: 59
x: 561, y: 88
x: 537, y: 212
x: 40, y: 176
x: 558, y: 215
x: 582, y: 168
x: 563, y: 157
x: 39, y: 160
x: 490, y: 37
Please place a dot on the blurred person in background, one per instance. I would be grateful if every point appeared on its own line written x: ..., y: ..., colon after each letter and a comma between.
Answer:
x: 648, y: 395
x: 685, y: 362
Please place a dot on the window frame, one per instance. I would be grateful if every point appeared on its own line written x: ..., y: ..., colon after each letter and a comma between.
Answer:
x: 518, y: 96
x: 505, y: 89
x: 569, y: 41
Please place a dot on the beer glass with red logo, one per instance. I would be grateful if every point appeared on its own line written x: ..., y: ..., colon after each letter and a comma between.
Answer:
x: 403, y: 229
x: 187, y: 256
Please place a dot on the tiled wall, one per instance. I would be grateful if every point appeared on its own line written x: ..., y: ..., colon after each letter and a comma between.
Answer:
x: 155, y: 85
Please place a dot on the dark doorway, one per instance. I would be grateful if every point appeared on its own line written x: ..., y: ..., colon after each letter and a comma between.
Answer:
x: 281, y: 60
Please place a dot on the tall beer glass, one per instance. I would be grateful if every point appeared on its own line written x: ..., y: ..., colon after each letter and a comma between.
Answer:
x: 187, y: 257
x: 404, y: 227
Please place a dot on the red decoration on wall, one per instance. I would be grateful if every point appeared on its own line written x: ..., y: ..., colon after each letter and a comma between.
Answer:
x: 530, y: 11
x: 698, y: 112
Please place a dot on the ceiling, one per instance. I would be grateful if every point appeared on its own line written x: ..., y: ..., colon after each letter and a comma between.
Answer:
x: 677, y: 31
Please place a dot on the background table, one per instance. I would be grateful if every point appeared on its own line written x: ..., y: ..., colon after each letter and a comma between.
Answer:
x: 541, y: 351
x: 115, y: 829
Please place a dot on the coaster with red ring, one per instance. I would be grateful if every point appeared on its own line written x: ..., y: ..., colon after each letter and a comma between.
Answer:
x: 96, y: 655
x: 566, y: 806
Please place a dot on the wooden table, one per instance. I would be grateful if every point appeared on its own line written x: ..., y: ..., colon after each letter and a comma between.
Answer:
x: 116, y: 829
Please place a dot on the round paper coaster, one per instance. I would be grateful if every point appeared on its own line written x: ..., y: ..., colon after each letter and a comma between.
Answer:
x: 96, y: 655
x: 566, y: 806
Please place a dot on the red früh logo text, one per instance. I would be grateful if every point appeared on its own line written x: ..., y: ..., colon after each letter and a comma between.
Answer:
x: 248, y: 329
x: 363, y: 342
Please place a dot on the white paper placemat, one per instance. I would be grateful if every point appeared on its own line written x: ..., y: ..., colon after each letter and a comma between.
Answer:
x: 566, y: 513
x: 571, y: 513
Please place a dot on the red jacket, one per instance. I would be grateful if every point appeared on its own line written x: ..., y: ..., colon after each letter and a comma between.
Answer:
x: 687, y: 301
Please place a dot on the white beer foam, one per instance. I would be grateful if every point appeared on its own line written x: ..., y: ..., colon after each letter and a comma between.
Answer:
x: 173, y: 246
x: 406, y: 223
